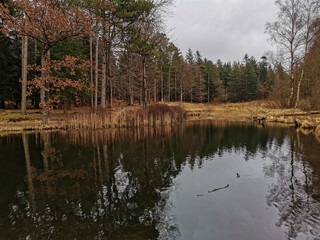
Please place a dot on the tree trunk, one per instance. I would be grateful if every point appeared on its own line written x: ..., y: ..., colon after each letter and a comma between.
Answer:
x: 24, y: 74
x: 299, y: 86
x: 175, y: 86
x: 96, y: 73
x: 91, y: 69
x: 169, y: 83
x: 35, y: 52
x: 104, y: 75
x: 2, y: 104
x: 109, y: 73
x: 47, y: 83
x: 141, y: 87
x: 291, y: 86
x: 306, y: 46
x: 290, y: 100
x: 144, y: 83
x: 36, y: 104
x: 43, y: 90
x: 35, y: 100
x: 200, y: 92
x: 130, y: 92
x: 131, y: 98
x: 208, y: 90
x: 155, y: 91
x: 110, y: 91
x: 161, y: 83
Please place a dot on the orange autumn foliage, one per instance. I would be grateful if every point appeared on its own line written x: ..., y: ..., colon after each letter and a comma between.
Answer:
x: 75, y: 77
x: 48, y: 22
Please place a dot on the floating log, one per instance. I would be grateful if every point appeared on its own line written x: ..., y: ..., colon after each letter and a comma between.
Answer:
x: 217, y: 189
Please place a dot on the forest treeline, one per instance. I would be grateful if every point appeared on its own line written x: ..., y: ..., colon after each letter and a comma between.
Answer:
x: 60, y: 53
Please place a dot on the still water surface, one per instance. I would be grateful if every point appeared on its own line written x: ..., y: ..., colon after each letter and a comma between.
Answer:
x: 202, y: 180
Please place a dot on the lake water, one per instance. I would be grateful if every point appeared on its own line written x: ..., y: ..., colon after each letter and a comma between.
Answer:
x: 200, y: 180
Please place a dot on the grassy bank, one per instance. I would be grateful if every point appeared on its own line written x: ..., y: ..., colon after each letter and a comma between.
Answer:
x: 261, y: 111
x: 84, y: 118
x: 160, y: 114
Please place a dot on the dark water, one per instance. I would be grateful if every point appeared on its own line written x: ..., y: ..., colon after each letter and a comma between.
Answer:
x: 164, y: 183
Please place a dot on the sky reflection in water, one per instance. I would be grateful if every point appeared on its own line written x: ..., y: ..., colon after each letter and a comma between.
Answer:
x: 156, y: 183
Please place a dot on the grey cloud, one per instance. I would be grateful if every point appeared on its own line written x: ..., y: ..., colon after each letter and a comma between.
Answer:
x: 222, y: 29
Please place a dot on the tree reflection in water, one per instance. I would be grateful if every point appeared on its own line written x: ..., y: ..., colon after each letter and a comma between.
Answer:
x: 90, y: 185
x: 116, y: 184
x: 295, y: 193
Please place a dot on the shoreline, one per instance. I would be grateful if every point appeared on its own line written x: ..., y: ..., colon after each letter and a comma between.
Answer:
x: 259, y: 111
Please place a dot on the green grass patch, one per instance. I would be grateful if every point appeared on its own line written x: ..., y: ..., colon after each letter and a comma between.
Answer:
x: 16, y: 116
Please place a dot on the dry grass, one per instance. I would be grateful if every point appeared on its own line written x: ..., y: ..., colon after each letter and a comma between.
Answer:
x: 229, y: 110
x: 128, y: 117
x: 84, y: 118
x: 157, y: 114
x: 14, y: 121
x: 267, y: 110
x: 241, y: 111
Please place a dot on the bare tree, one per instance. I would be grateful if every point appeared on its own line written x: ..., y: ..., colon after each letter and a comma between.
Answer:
x: 288, y: 33
x: 311, y: 14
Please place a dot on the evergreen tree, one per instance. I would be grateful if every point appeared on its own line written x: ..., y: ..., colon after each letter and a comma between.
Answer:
x: 10, y: 70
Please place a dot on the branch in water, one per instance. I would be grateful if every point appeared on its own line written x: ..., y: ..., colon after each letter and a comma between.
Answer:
x: 217, y: 189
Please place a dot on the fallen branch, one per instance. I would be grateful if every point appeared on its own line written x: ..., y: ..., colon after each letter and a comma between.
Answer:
x: 217, y: 189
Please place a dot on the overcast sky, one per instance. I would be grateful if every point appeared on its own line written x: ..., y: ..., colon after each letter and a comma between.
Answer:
x: 222, y: 29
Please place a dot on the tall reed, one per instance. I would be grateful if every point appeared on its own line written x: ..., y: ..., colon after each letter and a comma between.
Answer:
x: 130, y: 117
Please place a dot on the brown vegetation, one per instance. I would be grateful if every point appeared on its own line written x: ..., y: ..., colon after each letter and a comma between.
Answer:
x: 84, y: 118
x: 263, y: 111
x: 160, y: 115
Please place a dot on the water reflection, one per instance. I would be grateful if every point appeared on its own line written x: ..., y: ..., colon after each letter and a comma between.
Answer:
x: 120, y: 184
x: 296, y: 191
